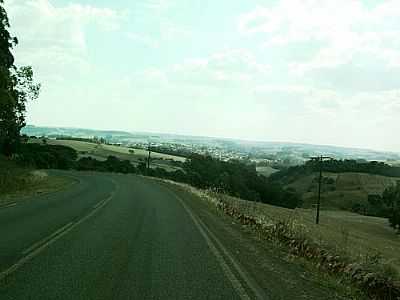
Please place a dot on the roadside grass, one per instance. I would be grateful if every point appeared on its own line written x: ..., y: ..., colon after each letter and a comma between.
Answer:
x: 12, y: 178
x: 16, y: 183
x: 353, y: 235
x: 358, y: 249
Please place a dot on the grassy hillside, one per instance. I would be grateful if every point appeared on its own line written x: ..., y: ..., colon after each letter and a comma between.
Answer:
x: 341, y: 190
x: 101, y: 152
x: 356, y: 235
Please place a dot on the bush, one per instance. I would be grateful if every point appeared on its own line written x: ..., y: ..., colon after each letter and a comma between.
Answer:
x: 237, y: 179
x: 46, y: 156
x: 112, y: 164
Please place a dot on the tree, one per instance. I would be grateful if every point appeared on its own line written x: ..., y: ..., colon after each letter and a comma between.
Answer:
x: 391, y: 197
x: 16, y: 88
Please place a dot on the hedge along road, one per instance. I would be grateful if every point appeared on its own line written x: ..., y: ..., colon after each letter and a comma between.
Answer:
x: 114, y: 237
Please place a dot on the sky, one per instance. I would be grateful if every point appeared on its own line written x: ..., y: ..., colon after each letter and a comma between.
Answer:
x: 310, y: 71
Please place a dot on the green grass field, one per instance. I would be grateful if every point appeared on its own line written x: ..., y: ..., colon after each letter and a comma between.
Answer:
x: 266, y: 171
x: 345, y: 189
x: 77, y: 145
x: 101, y: 152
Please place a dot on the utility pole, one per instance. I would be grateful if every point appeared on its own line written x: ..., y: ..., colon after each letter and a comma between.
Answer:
x: 148, y: 158
x: 320, y: 160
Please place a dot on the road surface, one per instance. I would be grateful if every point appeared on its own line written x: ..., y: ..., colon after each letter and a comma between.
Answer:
x: 123, y: 237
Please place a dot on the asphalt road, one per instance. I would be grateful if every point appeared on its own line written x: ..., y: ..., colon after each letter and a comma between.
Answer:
x: 115, y: 237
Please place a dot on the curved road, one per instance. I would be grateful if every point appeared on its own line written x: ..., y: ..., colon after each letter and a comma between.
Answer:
x: 113, y: 237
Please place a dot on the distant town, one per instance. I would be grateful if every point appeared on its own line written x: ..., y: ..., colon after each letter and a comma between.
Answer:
x: 263, y: 154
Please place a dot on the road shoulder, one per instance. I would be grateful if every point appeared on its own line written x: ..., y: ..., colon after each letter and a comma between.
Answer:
x: 274, y: 269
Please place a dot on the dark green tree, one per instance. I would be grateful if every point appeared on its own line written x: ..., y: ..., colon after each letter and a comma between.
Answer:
x: 391, y: 198
x: 16, y: 88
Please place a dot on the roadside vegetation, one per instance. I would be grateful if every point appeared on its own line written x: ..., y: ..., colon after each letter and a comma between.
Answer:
x: 17, y: 88
x: 354, y: 249
x: 17, y: 182
x: 12, y: 177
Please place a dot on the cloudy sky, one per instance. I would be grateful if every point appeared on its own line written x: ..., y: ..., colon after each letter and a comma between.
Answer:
x: 314, y: 71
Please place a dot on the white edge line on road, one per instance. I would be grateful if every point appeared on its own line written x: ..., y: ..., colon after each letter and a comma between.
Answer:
x: 258, y: 292
x: 38, y: 250
x: 37, y: 244
x: 228, y: 272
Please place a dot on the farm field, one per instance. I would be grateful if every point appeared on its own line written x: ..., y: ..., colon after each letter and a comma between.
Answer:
x: 101, y: 152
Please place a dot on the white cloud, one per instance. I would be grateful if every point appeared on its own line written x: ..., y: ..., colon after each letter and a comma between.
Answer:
x: 154, y: 14
x: 144, y: 39
x: 345, y: 29
x: 230, y: 66
x: 159, y: 6
x: 53, y: 38
x: 170, y: 31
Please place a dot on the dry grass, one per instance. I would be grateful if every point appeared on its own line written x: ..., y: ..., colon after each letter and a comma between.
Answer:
x: 353, y: 235
x: 16, y: 183
x: 357, y: 249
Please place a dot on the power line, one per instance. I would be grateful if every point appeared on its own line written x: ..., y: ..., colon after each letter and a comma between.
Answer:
x: 148, y: 158
x: 320, y: 159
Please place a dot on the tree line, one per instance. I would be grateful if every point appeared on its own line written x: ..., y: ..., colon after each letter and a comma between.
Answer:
x: 233, y: 177
x: 17, y: 87
x: 337, y: 166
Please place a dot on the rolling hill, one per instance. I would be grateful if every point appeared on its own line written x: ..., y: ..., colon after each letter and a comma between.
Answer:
x: 102, y: 151
x: 341, y: 190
